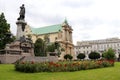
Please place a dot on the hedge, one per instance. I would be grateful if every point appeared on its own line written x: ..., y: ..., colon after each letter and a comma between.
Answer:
x: 31, y: 67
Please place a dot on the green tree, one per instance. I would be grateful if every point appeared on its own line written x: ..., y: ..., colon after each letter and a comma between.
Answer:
x: 68, y: 56
x: 39, y: 47
x: 51, y: 48
x: 94, y: 55
x: 46, y: 39
x: 81, y: 56
x: 46, y: 42
x: 110, y: 54
x: 57, y: 47
x: 5, y: 34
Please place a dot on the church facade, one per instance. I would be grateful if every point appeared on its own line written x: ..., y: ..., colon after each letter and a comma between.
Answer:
x: 61, y: 33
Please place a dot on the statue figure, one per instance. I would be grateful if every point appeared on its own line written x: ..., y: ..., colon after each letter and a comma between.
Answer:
x: 22, y: 12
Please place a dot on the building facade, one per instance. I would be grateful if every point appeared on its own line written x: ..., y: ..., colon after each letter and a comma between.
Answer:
x: 98, y: 45
x: 61, y: 33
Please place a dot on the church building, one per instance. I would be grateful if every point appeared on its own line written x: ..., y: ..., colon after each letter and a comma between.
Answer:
x: 61, y: 33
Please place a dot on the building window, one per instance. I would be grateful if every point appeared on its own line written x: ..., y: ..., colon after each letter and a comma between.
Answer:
x: 117, y: 44
x: 87, y: 52
x: 84, y: 51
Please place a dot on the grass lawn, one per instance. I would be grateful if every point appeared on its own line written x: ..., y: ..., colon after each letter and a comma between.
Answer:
x: 7, y: 72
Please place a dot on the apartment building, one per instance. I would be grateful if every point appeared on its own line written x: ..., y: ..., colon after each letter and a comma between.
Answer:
x: 98, y: 45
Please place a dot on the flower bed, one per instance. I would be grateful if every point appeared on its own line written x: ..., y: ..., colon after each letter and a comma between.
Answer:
x: 61, y: 66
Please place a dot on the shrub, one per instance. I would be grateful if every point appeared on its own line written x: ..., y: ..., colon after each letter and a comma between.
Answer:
x: 68, y: 56
x: 81, y: 56
x: 67, y: 66
x: 94, y: 55
x: 39, y: 47
x: 109, y: 55
x: 62, y: 49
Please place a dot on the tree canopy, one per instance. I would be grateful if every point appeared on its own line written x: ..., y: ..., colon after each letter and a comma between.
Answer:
x: 42, y: 46
x: 39, y: 48
x: 5, y: 34
x: 68, y: 56
x: 110, y: 54
x: 80, y: 56
x: 51, y: 47
x: 94, y: 55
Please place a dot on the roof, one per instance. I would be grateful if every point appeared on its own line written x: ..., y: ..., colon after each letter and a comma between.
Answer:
x: 47, y: 29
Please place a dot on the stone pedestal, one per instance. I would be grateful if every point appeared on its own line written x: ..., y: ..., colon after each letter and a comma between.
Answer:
x: 17, y: 50
x: 20, y: 29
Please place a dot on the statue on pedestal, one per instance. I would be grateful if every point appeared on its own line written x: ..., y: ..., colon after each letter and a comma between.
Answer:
x: 22, y: 13
x: 21, y: 23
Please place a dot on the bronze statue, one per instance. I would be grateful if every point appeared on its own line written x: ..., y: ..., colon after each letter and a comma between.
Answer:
x: 22, y: 12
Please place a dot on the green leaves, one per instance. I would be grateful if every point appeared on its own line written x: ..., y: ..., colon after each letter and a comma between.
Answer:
x: 81, y: 56
x: 39, y: 48
x: 51, y: 47
x: 64, y: 66
x: 4, y: 31
x: 68, y: 56
x: 109, y: 55
x: 94, y: 55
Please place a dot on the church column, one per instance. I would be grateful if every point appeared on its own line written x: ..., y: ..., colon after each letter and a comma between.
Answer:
x: 73, y: 53
x: 70, y: 51
x: 67, y: 35
x: 64, y: 34
x: 71, y: 36
x: 65, y: 49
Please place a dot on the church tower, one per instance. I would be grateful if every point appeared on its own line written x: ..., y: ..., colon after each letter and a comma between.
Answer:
x: 67, y: 42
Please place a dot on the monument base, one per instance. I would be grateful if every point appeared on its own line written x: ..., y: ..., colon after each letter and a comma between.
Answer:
x: 20, y: 29
x: 17, y: 50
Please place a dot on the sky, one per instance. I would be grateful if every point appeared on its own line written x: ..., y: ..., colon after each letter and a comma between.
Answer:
x: 90, y: 19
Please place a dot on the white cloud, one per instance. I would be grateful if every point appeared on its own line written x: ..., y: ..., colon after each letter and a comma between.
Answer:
x: 90, y: 19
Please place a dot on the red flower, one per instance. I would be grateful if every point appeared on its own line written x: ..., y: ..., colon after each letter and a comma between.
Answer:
x: 111, y: 61
x: 57, y: 65
x: 99, y: 62
x: 22, y: 62
x: 74, y: 64
x: 51, y: 63
x: 32, y: 62
x: 65, y: 65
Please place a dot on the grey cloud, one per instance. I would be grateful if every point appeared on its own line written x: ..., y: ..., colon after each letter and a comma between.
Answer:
x: 86, y: 36
x: 89, y: 23
x: 52, y: 19
x: 46, y: 18
x: 77, y: 3
x: 115, y: 22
